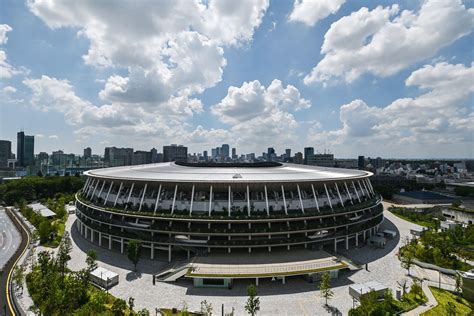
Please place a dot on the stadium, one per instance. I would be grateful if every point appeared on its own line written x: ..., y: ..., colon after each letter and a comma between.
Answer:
x: 203, y: 208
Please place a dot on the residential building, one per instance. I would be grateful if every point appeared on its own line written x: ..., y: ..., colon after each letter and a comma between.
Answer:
x: 224, y: 151
x: 308, y: 152
x: 298, y: 158
x: 323, y: 160
x: 141, y: 157
x: 5, y: 152
x: 87, y: 152
x: 25, y: 149
x: 114, y: 156
x: 234, y: 153
x: 361, y: 162
x: 175, y: 152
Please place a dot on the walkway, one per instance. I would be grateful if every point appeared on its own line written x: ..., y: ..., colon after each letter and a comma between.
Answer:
x: 10, y: 238
x: 432, y: 302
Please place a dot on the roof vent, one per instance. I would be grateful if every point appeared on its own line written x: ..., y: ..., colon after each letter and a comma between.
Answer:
x: 237, y: 176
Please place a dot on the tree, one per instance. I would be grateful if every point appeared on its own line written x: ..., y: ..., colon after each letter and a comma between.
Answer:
x: 458, y: 284
x: 91, y: 261
x: 143, y: 312
x: 368, y: 303
x: 450, y: 309
x: 65, y: 248
x: 131, y: 302
x: 407, y: 257
x: 417, y: 291
x: 118, y: 307
x: 19, y: 276
x: 206, y: 308
x: 253, y: 302
x: 133, y: 252
x: 44, y: 231
x: 325, y: 287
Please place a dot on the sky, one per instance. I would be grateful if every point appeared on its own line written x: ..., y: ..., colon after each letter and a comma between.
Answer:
x: 375, y: 78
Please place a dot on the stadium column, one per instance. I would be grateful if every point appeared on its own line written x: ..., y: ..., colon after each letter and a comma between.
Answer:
x: 95, y: 188
x: 284, y: 199
x: 248, y: 200
x: 157, y: 200
x: 152, y: 251
x: 315, y: 197
x: 348, y: 193
x: 100, y: 239
x: 362, y: 189
x: 335, y: 244
x: 174, y: 198
x: 347, y: 242
x: 357, y: 239
x: 327, y: 194
x: 339, y: 194
x: 85, y: 185
x: 121, y: 245
x: 143, y: 196
x: 299, y: 195
x: 108, y: 192
x: 266, y: 200
x: 192, y: 199
x: 169, y: 253
x: 369, y: 185
x: 101, y: 189
x: 110, y: 242
x: 355, y: 189
x: 210, y: 200
x: 229, y: 201
x: 130, y: 194
x: 366, y: 189
x: 89, y: 187
x: 92, y: 235
x: 118, y: 193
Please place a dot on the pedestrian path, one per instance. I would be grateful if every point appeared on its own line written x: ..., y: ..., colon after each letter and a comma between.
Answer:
x: 432, y: 302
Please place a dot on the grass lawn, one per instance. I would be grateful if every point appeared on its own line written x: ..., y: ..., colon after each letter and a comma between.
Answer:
x: 463, y: 307
x: 421, y: 223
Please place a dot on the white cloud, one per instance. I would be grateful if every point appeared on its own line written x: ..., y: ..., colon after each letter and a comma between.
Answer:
x: 53, y: 136
x: 39, y: 136
x: 7, y: 70
x: 310, y: 12
x: 9, y: 89
x: 437, y: 116
x: 252, y: 100
x: 4, y: 29
x: 384, y: 41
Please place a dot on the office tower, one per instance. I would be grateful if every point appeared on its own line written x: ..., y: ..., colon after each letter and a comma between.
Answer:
x: 175, y: 153
x: 114, y: 156
x: 225, y: 151
x: 287, y: 154
x: 298, y: 158
x: 154, y: 155
x: 141, y: 157
x: 25, y: 149
x: 87, y: 152
x: 308, y: 152
x: 323, y: 160
x: 234, y: 153
x: 5, y: 152
x: 361, y: 162
x: 204, y: 154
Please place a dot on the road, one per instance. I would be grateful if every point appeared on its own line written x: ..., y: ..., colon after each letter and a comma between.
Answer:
x: 9, y: 238
x: 6, y: 303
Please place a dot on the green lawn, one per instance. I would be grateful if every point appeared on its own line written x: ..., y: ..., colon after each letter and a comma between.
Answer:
x: 421, y: 223
x: 463, y: 307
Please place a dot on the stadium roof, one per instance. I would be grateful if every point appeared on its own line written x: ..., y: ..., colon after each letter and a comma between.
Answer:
x: 172, y: 172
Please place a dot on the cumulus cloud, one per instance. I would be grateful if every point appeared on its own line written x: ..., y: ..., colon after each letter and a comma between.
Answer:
x: 4, y: 29
x: 310, y: 12
x: 384, y: 40
x: 7, y: 70
x: 252, y: 99
x: 439, y: 115
x: 9, y: 89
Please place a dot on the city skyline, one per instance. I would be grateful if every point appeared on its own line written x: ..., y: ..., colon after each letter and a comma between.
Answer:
x: 279, y: 74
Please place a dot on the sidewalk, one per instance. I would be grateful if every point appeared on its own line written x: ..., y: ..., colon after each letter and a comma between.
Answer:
x: 428, y: 305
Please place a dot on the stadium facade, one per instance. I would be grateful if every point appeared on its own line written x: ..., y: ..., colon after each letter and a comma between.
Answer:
x: 227, y: 208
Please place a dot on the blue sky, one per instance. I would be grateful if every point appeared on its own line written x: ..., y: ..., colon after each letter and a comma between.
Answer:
x: 387, y: 78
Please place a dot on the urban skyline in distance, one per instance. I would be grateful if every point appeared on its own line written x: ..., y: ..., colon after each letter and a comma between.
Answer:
x: 277, y: 77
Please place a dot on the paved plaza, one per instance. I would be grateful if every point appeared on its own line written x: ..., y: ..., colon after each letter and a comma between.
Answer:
x: 296, y: 297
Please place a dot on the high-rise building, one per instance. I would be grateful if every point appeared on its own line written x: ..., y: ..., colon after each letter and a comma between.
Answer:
x: 213, y: 153
x: 224, y: 151
x: 175, y: 153
x: 298, y: 158
x: 204, y: 154
x: 361, y: 162
x: 270, y: 154
x: 115, y: 157
x: 323, y: 160
x: 308, y: 152
x: 141, y: 157
x: 234, y: 153
x: 154, y: 155
x: 5, y: 152
x: 58, y: 158
x: 287, y: 154
x: 25, y: 149
x: 87, y: 152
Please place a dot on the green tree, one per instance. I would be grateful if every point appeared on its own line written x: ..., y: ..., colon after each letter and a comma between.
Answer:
x: 131, y: 302
x: 417, y: 291
x: 143, y: 312
x: 406, y: 257
x: 44, y: 231
x: 91, y: 261
x: 450, y: 309
x: 253, y: 301
x: 368, y: 303
x: 63, y: 255
x: 133, y: 252
x: 19, y: 276
x: 458, y: 283
x: 325, y: 287
x: 206, y: 308
x: 118, y: 307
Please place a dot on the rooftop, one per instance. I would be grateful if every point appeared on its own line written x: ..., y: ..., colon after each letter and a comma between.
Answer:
x: 425, y: 195
x: 172, y: 172
x: 42, y: 210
